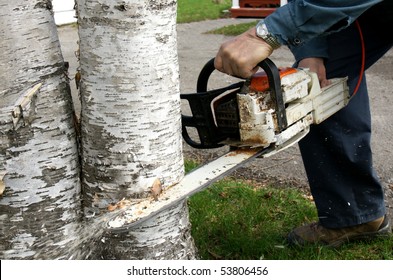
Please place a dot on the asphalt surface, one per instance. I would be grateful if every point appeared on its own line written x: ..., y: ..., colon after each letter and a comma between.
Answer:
x: 195, y: 47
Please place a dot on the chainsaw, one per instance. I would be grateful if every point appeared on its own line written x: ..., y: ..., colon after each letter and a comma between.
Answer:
x: 256, y: 117
x: 274, y: 108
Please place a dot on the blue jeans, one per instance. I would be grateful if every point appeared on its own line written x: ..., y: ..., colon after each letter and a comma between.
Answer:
x: 336, y: 153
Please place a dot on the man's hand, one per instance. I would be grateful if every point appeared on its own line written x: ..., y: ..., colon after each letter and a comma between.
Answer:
x: 239, y: 56
x: 316, y: 65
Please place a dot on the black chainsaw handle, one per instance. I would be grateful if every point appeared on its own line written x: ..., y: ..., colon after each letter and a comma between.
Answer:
x: 273, y: 76
x: 202, y: 118
x: 204, y: 76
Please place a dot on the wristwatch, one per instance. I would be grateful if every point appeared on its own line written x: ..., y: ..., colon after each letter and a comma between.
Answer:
x: 263, y: 33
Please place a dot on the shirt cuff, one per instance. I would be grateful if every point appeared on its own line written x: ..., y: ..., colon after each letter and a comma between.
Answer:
x: 316, y: 47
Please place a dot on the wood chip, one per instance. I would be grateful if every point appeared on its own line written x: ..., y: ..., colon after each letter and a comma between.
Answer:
x: 2, y: 184
x: 156, y: 189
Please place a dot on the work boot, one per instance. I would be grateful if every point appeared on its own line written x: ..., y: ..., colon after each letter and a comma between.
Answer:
x: 315, y: 233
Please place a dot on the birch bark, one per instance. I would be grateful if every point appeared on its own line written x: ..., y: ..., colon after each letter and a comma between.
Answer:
x: 131, y: 126
x: 39, y: 167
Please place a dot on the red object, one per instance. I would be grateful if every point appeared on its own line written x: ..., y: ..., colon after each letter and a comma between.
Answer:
x: 363, y: 58
x: 260, y: 83
x: 255, y: 8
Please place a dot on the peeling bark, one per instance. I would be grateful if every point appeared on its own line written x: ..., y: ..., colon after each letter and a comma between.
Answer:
x: 131, y: 126
x: 39, y: 208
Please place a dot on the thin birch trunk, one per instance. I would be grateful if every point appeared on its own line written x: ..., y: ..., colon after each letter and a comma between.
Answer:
x: 39, y: 167
x: 131, y: 130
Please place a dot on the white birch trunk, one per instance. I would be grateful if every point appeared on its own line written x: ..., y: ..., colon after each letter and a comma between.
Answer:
x: 131, y: 126
x: 38, y: 155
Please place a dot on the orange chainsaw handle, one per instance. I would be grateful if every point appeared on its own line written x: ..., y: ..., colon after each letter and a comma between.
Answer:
x: 260, y: 83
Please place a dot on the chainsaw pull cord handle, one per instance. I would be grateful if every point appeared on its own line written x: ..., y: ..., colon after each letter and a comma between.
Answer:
x: 273, y: 76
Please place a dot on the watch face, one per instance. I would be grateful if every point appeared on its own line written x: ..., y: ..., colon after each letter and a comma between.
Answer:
x: 263, y: 33
x: 262, y: 30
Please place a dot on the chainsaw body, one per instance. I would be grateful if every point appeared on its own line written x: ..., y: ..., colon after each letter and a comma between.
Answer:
x: 274, y: 108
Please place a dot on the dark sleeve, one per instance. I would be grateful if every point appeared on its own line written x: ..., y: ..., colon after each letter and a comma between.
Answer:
x: 316, y: 47
x: 301, y: 20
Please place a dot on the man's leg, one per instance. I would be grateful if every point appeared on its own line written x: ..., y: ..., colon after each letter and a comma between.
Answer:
x: 337, y: 153
x: 338, y: 161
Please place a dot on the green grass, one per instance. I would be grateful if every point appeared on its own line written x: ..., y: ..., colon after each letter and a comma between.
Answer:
x: 236, y: 220
x: 234, y: 29
x: 198, y: 10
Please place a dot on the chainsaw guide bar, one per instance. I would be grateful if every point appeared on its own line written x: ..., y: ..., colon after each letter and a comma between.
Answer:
x: 193, y: 182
